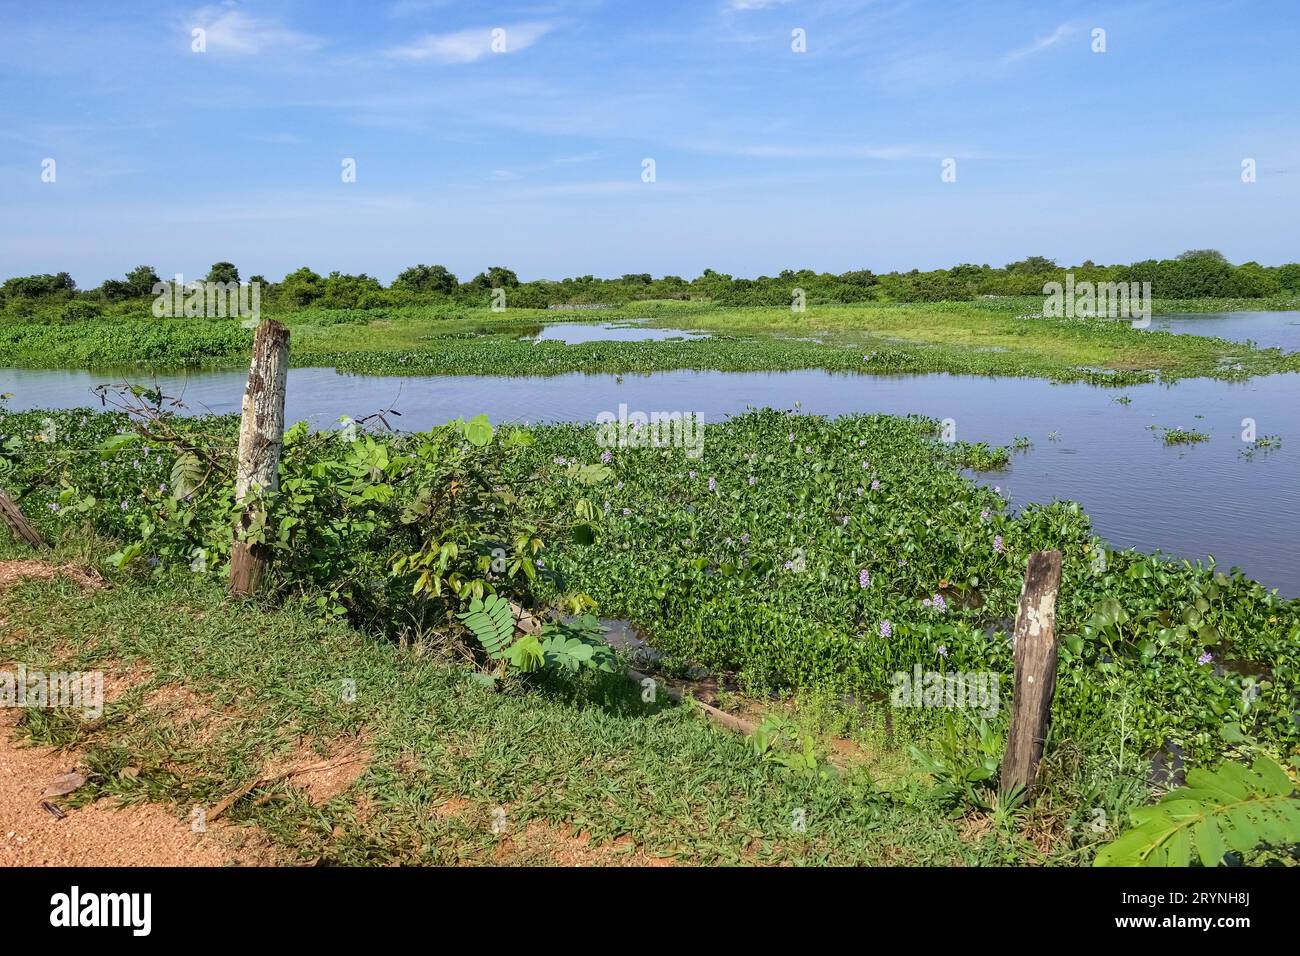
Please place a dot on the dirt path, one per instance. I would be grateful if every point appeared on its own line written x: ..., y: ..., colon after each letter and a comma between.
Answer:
x: 100, y: 834
x: 97, y: 835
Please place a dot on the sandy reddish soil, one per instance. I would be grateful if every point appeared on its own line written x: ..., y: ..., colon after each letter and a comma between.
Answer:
x: 100, y: 834
x: 97, y: 835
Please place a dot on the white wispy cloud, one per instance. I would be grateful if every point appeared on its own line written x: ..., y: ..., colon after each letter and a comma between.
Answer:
x: 466, y: 46
x: 1042, y: 43
x: 230, y: 30
x: 736, y: 6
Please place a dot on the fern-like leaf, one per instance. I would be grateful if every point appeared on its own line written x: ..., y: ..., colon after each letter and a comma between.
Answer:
x: 1233, y: 808
x: 492, y: 623
x: 187, y: 475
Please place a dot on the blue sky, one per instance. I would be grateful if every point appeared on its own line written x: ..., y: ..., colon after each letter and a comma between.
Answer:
x: 532, y: 158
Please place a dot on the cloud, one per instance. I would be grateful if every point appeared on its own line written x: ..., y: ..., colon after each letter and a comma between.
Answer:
x: 466, y: 46
x: 1041, y: 44
x: 736, y: 6
x: 229, y: 30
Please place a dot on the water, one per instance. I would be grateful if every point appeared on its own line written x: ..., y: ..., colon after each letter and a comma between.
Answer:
x: 1188, y: 500
x: 575, y: 333
x: 1268, y: 330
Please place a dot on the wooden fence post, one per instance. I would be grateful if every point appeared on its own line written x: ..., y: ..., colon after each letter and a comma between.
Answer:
x: 17, y: 523
x: 1035, y: 680
x: 261, y: 436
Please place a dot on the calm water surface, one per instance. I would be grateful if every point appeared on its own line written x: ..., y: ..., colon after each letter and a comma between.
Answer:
x: 1267, y: 330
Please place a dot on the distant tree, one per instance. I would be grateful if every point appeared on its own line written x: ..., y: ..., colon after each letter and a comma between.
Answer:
x: 1288, y: 276
x: 424, y: 278
x: 301, y: 287
x: 860, y: 277
x: 36, y: 287
x: 343, y: 291
x: 1214, y: 254
x: 223, y: 272
x: 496, y: 277
x: 1032, y: 265
x: 638, y: 278
x: 141, y: 280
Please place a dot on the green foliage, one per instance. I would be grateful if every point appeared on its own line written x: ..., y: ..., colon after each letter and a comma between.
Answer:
x: 576, y: 645
x: 782, y: 741
x: 1235, y: 808
x: 492, y: 623
x: 762, y: 581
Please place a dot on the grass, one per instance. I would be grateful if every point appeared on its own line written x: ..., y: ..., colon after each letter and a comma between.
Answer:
x: 988, y: 337
x: 587, y: 756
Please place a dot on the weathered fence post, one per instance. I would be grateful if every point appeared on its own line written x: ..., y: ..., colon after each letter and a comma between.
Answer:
x: 18, y: 524
x: 261, y: 435
x: 1035, y: 680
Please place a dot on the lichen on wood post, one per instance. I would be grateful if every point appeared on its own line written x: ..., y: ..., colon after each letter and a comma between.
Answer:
x: 1035, y: 677
x: 261, y: 436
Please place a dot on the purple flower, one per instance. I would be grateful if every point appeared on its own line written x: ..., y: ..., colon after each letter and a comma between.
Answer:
x: 886, y: 629
x: 790, y: 437
x: 606, y: 507
x: 1205, y: 658
x: 997, y: 543
x: 713, y: 484
x: 984, y: 515
x: 940, y: 604
x: 627, y: 512
x: 875, y: 486
x: 691, y: 474
x: 53, y: 506
x: 124, y: 505
x: 752, y: 481
x: 557, y: 460
x: 744, y: 539
x: 864, y: 578
x: 943, y: 651
x: 605, y: 456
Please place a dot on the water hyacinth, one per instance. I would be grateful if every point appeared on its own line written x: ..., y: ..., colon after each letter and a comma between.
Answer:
x: 1206, y: 658
x: 943, y: 651
x: 886, y: 628
x: 864, y: 578
x: 713, y: 484
x: 997, y: 543
x: 606, y: 456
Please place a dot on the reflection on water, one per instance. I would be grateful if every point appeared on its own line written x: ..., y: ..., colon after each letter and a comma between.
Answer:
x: 575, y: 333
x: 1268, y: 330
x: 1188, y: 500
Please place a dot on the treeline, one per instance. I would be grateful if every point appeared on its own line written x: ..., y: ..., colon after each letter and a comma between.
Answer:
x: 1198, y: 273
